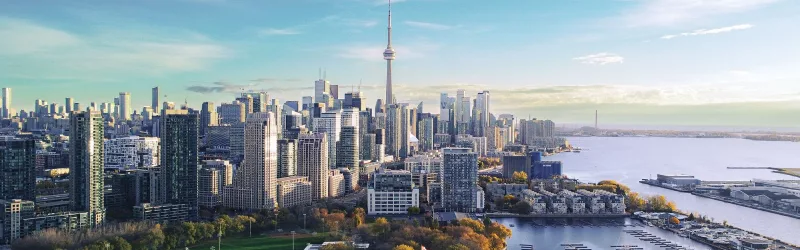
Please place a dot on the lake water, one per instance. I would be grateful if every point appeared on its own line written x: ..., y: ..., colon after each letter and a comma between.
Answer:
x: 530, y: 231
x: 629, y: 159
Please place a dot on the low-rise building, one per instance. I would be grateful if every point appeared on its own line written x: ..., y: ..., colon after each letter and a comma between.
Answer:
x: 555, y: 203
x: 576, y: 203
x: 614, y: 203
x: 392, y: 192
x: 18, y: 220
x: 594, y: 202
x: 537, y: 201
x: 499, y: 190
x: 678, y: 180
x: 293, y: 191
x: 161, y: 213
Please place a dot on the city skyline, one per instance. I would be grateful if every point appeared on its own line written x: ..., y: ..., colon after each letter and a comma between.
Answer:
x: 637, y: 62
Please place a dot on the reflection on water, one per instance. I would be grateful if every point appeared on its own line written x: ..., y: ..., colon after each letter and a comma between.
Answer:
x: 592, y: 233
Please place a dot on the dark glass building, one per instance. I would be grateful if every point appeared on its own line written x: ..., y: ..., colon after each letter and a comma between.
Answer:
x: 179, y: 163
x: 17, y: 166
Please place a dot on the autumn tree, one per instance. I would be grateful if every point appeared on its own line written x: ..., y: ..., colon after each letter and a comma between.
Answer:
x: 674, y: 220
x: 403, y: 247
x: 476, y: 225
x: 519, y: 177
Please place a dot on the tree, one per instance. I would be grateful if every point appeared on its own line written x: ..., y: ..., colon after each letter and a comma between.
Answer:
x: 522, y: 207
x: 498, y: 230
x: 519, y: 177
x: 458, y: 247
x: 725, y: 192
x: 358, y: 216
x: 403, y: 247
x: 118, y: 243
x: 691, y: 217
x: 509, y: 198
x: 413, y: 210
x: 674, y: 220
x: 99, y: 245
x: 476, y: 225
x: 634, y: 202
x: 381, y: 226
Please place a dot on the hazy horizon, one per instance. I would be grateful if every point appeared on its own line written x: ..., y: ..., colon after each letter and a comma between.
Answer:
x: 643, y: 63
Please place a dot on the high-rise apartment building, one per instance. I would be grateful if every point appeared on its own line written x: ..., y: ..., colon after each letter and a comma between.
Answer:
x: 86, y: 165
x: 255, y: 184
x: 312, y: 161
x: 208, y: 117
x: 483, y: 120
x: 287, y: 158
x: 459, y: 180
x: 329, y: 123
x: 336, y: 183
x: 391, y: 192
x: 17, y: 168
x: 209, y: 189
x: 179, y: 159
x: 125, y: 109
x: 347, y: 150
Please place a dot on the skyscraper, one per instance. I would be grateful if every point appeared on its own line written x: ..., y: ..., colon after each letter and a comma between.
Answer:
x: 69, y: 103
x: 329, y: 123
x: 125, y: 106
x: 86, y: 165
x: 334, y: 91
x: 231, y: 113
x: 482, y: 105
x: 5, y: 112
x: 260, y: 101
x: 355, y: 100
x: 178, y: 131
x: 208, y: 117
x: 347, y: 152
x: 459, y: 180
x: 154, y: 102
x: 393, y: 127
x: 17, y: 168
x: 255, y: 185
x: 321, y: 87
x: 287, y: 158
x: 312, y: 161
x: 389, y: 56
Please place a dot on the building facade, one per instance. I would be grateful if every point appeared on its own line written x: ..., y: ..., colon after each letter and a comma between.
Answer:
x: 179, y: 159
x: 392, y: 192
x: 17, y: 168
x: 86, y: 165
x: 293, y: 191
x: 312, y: 161
x: 459, y: 180
x: 257, y: 175
x: 131, y: 152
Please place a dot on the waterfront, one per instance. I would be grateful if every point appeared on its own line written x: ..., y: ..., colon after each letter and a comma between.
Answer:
x: 630, y: 159
x: 533, y: 232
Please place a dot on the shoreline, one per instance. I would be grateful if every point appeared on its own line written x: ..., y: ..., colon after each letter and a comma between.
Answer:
x: 757, y: 208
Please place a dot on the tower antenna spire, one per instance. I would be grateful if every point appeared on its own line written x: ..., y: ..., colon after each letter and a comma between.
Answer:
x: 319, y: 74
x: 389, y: 56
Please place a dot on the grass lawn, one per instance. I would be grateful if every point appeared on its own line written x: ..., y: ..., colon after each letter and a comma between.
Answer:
x: 277, y: 242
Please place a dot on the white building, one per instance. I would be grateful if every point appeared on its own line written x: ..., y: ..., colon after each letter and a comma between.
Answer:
x: 575, y: 202
x: 255, y: 179
x: 392, y: 192
x: 538, y: 202
x: 336, y: 184
x: 131, y: 152
x: 293, y: 191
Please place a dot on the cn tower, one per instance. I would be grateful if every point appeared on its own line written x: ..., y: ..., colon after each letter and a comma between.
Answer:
x: 388, y: 55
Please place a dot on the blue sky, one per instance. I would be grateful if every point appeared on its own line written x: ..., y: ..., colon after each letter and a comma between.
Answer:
x: 670, y: 62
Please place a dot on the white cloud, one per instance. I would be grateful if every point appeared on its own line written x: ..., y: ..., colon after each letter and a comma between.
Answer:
x: 701, y: 32
x: 23, y: 37
x: 671, y: 12
x: 600, y: 58
x: 430, y: 26
x: 278, y: 32
x: 58, y: 52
